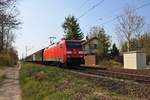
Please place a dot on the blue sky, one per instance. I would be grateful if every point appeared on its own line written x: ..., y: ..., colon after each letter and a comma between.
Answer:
x: 43, y: 18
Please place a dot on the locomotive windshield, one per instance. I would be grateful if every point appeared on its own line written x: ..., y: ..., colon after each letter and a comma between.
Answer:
x: 73, y: 45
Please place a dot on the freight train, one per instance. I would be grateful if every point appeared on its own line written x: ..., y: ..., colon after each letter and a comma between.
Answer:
x: 66, y: 52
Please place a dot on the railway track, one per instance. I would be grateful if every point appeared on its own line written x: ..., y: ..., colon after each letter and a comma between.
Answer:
x: 114, y: 74
x: 132, y: 75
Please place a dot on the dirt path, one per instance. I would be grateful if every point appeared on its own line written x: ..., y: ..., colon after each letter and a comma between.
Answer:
x: 10, y: 88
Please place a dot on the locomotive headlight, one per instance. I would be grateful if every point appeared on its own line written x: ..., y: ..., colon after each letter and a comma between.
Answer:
x: 69, y: 52
x: 68, y: 56
x: 81, y: 56
x: 80, y: 52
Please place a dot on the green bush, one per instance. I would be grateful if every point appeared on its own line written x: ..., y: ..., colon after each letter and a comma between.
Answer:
x: 8, y: 58
x: 5, y: 60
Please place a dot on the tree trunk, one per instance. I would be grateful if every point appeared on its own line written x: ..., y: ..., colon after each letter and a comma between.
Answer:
x: 128, y: 46
x: 2, y: 37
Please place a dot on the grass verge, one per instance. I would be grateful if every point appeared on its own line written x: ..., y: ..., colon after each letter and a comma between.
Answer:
x: 49, y: 83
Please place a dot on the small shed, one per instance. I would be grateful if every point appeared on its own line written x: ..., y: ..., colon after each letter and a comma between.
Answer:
x: 90, y: 60
x: 134, y: 60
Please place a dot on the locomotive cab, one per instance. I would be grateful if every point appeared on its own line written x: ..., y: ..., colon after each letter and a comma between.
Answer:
x: 66, y: 52
x: 74, y: 52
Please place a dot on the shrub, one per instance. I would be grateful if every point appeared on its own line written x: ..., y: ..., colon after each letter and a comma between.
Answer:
x: 40, y: 75
x: 5, y: 60
x: 2, y: 75
x: 8, y: 58
x: 110, y: 64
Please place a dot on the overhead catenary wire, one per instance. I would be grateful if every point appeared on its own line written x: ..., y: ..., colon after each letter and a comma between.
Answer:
x: 115, y: 18
x: 111, y: 20
x: 146, y: 4
x: 78, y: 9
x: 90, y: 9
x: 81, y: 6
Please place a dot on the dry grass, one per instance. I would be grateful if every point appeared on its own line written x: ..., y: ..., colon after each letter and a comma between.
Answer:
x: 2, y: 75
x: 8, y: 58
x: 110, y: 64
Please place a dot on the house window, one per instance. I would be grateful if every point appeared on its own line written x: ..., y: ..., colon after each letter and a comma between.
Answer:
x: 95, y: 46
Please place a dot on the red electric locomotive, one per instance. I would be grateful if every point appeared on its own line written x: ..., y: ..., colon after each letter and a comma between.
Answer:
x: 66, y: 52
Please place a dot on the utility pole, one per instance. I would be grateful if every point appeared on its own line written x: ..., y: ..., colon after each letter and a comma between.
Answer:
x: 22, y: 57
x: 26, y: 50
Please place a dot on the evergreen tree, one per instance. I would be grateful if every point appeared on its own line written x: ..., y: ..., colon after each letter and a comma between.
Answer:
x: 145, y: 41
x: 72, y: 29
x: 114, y: 51
x: 103, y: 45
x: 103, y: 41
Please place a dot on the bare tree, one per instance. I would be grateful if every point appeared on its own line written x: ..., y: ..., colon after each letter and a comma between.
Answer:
x: 145, y: 41
x: 6, y: 3
x: 8, y: 23
x: 94, y: 31
x: 130, y: 25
